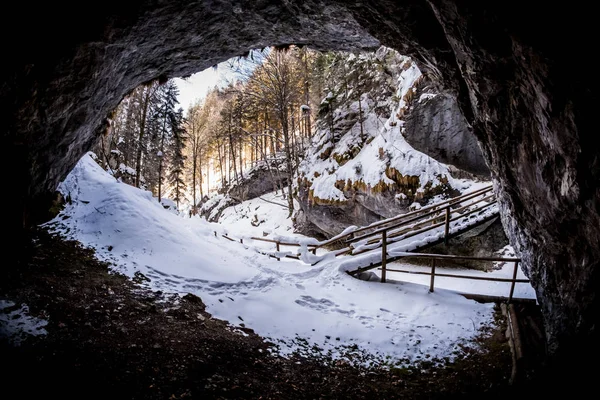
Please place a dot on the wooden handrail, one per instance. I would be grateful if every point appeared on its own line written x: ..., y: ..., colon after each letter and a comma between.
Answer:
x: 430, y: 227
x: 455, y: 257
x: 433, y: 274
x: 417, y: 232
x: 276, y: 241
x: 392, y: 235
x: 350, y: 249
x: 388, y: 231
x: 458, y: 210
x: 434, y: 207
x: 481, y: 278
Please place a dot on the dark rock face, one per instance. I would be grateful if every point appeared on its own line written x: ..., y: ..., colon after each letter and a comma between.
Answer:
x: 507, y: 64
x: 481, y: 241
x: 437, y: 127
x: 387, y: 83
x: 327, y: 220
x: 533, y: 123
x: 317, y: 218
x: 258, y: 182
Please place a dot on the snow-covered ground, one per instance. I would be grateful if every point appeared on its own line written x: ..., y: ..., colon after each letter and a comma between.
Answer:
x: 16, y: 323
x: 264, y: 215
x: 287, y: 301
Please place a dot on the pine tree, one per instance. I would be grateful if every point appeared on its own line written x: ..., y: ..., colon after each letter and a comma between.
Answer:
x: 165, y: 118
x: 177, y: 157
x: 146, y: 94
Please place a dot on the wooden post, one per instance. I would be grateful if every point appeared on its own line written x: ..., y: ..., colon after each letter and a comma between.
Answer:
x: 447, y: 227
x: 432, y: 274
x: 383, y: 254
x: 512, y: 285
x: 278, y: 259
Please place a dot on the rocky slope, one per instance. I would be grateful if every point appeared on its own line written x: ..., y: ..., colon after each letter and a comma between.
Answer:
x: 361, y: 166
x: 264, y: 177
x: 121, y: 340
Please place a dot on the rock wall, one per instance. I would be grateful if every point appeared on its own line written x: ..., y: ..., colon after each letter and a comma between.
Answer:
x: 436, y: 126
x: 395, y: 97
x: 522, y: 72
x: 260, y: 179
x: 483, y: 241
x: 533, y: 121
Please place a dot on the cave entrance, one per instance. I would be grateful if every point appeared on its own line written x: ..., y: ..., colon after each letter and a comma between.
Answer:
x: 536, y: 124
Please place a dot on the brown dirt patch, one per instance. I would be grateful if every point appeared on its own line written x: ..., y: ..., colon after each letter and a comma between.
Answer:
x: 110, y: 338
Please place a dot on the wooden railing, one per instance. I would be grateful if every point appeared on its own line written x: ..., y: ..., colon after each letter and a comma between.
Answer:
x: 424, y: 216
x: 278, y: 245
x: 433, y: 257
x: 430, y: 220
x: 385, y: 257
x: 398, y: 228
x: 433, y: 274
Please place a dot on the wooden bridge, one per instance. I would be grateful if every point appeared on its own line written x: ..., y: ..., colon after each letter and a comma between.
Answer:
x: 428, y: 226
x: 406, y: 236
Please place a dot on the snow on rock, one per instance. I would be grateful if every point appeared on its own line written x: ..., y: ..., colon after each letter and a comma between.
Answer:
x: 16, y: 323
x: 212, y: 208
x: 267, y: 213
x: 126, y: 170
x: 169, y: 204
x: 426, y: 96
x: 370, y: 158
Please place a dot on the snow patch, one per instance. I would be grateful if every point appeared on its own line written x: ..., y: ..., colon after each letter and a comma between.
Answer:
x: 16, y: 324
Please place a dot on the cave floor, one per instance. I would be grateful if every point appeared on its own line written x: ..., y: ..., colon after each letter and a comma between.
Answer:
x: 108, y: 337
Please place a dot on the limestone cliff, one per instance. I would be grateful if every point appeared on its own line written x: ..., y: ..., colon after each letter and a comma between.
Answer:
x: 361, y: 166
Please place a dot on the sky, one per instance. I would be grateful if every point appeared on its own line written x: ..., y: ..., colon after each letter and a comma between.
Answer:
x: 197, y: 85
x: 286, y: 301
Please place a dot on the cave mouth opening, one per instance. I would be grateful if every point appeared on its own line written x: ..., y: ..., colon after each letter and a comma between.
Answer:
x: 277, y: 98
x: 507, y: 72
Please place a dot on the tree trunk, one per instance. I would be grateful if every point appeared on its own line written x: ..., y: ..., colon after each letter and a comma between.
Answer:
x: 241, y: 157
x: 194, y: 167
x: 288, y: 160
x: 207, y: 175
x: 232, y: 158
x: 220, y: 163
x: 360, y: 119
x: 200, y: 179
x: 273, y: 180
x: 294, y: 140
x: 330, y: 105
x: 138, y: 161
x: 162, y: 156
x: 307, y: 95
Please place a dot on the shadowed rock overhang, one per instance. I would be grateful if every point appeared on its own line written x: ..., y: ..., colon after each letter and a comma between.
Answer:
x: 521, y: 76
